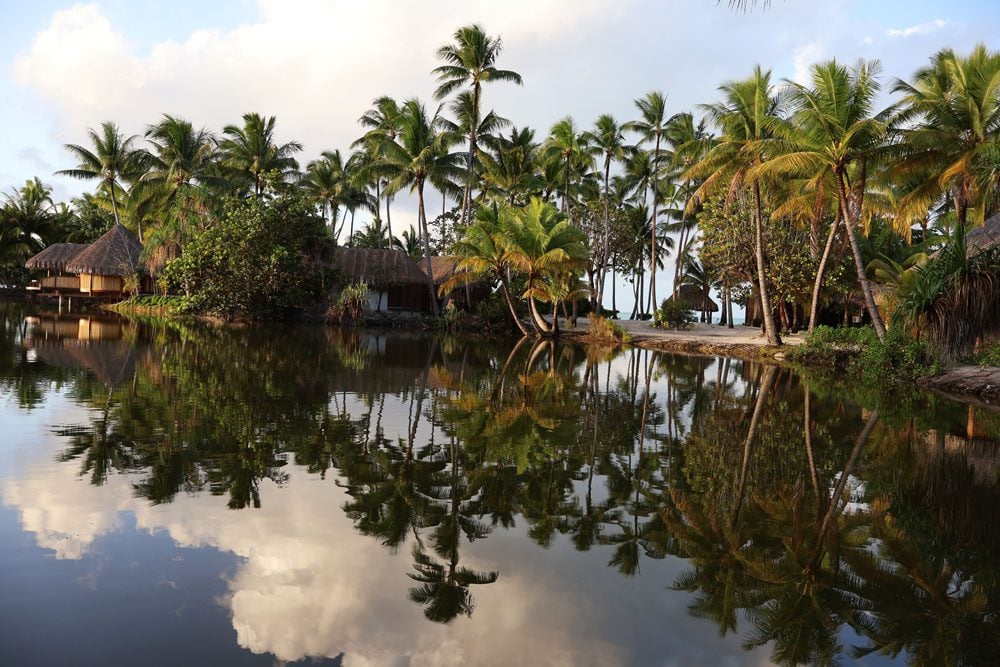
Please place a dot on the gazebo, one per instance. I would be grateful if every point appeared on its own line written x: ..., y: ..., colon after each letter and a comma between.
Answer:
x: 105, y: 263
x: 393, y: 279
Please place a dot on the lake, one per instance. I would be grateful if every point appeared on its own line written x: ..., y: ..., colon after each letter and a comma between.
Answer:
x: 181, y: 494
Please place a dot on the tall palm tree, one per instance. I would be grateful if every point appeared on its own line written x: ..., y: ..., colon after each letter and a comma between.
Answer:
x: 835, y: 131
x: 251, y: 153
x: 324, y: 180
x: 112, y: 160
x: 383, y: 121
x: 470, y: 60
x: 607, y: 139
x: 569, y: 146
x: 950, y: 121
x: 651, y: 127
x: 746, y: 118
x: 510, y: 164
x: 29, y: 218
x: 419, y: 154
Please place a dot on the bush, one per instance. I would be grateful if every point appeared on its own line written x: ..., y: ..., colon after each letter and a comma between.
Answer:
x: 991, y: 357
x: 673, y: 315
x: 493, y: 314
x: 352, y: 306
x: 602, y: 329
x: 898, y: 357
x: 263, y: 260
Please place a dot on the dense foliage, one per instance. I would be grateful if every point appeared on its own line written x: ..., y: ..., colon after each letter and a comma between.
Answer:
x: 260, y: 260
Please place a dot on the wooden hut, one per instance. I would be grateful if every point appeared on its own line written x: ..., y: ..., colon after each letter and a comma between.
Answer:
x: 104, y: 265
x: 693, y: 297
x: 393, y: 279
x: 53, y: 261
x: 465, y: 295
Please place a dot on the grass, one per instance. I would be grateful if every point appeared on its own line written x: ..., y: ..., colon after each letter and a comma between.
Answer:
x: 605, y: 330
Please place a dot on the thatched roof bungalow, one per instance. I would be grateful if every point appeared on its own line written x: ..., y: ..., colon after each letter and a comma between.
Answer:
x: 465, y: 295
x: 694, y: 298
x: 53, y: 261
x: 393, y: 279
x: 106, y: 262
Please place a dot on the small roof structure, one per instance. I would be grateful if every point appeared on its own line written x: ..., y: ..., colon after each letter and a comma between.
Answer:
x: 983, y: 237
x: 377, y: 267
x: 443, y: 268
x: 114, y: 254
x: 55, y: 257
x: 694, y: 298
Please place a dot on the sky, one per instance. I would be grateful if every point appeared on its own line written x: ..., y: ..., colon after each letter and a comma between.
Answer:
x: 317, y: 64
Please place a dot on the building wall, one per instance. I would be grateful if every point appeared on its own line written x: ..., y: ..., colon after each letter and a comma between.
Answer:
x: 90, y: 283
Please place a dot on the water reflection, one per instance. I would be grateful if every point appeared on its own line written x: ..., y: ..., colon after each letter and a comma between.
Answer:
x: 803, y: 521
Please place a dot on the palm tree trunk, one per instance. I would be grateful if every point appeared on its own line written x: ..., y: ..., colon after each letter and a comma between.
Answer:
x: 758, y: 411
x: 540, y: 324
x: 114, y: 204
x: 607, y: 232
x: 773, y: 337
x: 652, y: 244
x: 729, y: 306
x: 510, y: 304
x: 422, y: 222
x: 821, y: 272
x: 859, y: 267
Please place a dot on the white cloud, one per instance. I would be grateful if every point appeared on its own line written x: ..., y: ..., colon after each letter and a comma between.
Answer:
x: 919, y: 29
x: 803, y: 59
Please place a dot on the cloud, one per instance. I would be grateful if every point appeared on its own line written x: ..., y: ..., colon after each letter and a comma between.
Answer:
x: 803, y: 59
x: 919, y: 29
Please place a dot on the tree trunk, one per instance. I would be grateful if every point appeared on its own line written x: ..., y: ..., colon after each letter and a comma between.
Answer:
x: 770, y: 329
x: 821, y: 272
x: 729, y: 306
x: 510, y: 304
x: 758, y: 413
x: 652, y: 244
x: 540, y: 324
x: 866, y: 289
x: 422, y: 222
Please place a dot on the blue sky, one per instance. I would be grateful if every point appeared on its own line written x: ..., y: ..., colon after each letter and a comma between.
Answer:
x: 317, y: 64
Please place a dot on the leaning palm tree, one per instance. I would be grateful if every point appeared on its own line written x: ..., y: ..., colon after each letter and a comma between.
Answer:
x: 746, y: 118
x: 835, y: 131
x: 112, y: 161
x: 419, y: 155
x: 950, y: 122
x: 548, y: 250
x: 470, y: 60
x: 251, y: 153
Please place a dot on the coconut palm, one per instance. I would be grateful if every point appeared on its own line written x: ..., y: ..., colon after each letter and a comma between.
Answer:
x: 607, y: 139
x: 112, y: 161
x: 383, y: 123
x: 29, y: 218
x: 547, y: 249
x: 324, y: 180
x: 651, y: 127
x: 569, y: 147
x: 835, y: 131
x: 250, y: 152
x: 470, y: 60
x: 509, y: 165
x: 419, y: 154
x: 746, y: 118
x: 950, y: 122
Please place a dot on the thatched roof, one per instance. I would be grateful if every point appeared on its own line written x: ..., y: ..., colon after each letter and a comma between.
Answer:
x: 111, y: 362
x: 377, y: 267
x: 114, y: 254
x: 55, y: 257
x: 443, y: 268
x: 695, y: 299
x: 984, y: 237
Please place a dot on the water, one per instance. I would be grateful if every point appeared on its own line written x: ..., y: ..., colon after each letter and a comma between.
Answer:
x: 187, y: 495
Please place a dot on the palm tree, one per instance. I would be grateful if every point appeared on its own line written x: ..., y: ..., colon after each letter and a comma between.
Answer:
x: 29, y: 217
x: 950, y: 121
x: 547, y: 249
x: 834, y: 131
x: 485, y: 255
x: 570, y: 148
x: 324, y: 180
x: 470, y: 61
x: 374, y: 236
x: 111, y: 160
x: 408, y: 242
x: 651, y: 127
x: 746, y: 118
x: 419, y: 154
x: 383, y: 121
x: 608, y: 140
x: 509, y: 165
x: 251, y: 154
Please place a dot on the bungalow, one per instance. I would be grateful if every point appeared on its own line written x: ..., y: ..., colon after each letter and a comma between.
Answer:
x: 98, y: 269
x: 465, y: 295
x: 393, y: 279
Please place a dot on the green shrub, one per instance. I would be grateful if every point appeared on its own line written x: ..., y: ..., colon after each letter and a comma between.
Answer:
x: 493, y: 314
x: 352, y: 305
x: 898, y: 357
x: 673, y: 315
x: 990, y: 357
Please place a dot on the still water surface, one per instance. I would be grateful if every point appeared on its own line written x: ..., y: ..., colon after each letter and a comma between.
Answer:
x: 187, y: 495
